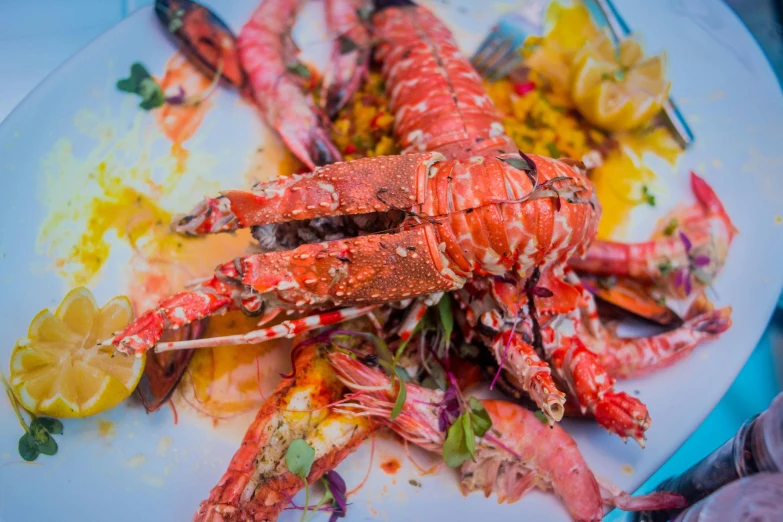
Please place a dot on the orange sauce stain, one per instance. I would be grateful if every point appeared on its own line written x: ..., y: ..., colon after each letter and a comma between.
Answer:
x: 226, y: 380
x: 390, y: 466
x: 180, y: 122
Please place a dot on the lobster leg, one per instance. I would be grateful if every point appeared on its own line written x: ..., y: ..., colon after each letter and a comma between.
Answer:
x: 529, y: 373
x: 593, y: 387
x: 284, y: 329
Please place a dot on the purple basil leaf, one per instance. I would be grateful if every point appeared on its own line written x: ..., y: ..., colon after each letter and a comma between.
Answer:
x: 687, y: 286
x: 443, y: 420
x: 679, y: 277
x: 337, y: 487
x: 449, y: 409
x: 540, y: 291
x: 686, y: 242
x: 701, y: 260
x: 178, y: 98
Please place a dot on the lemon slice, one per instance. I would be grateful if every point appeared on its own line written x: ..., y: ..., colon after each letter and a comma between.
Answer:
x: 617, y: 89
x: 59, y: 370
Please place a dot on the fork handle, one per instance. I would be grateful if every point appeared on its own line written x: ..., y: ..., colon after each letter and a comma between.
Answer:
x: 672, y: 115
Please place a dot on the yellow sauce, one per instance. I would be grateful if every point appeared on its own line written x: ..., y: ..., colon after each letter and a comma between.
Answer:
x: 620, y: 179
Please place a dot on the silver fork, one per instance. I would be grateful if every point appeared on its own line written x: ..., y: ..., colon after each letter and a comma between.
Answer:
x: 499, y: 54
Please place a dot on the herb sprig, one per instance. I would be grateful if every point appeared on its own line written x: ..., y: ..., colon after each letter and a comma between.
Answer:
x: 299, y: 458
x: 141, y: 83
x: 460, y: 444
x: 37, y: 438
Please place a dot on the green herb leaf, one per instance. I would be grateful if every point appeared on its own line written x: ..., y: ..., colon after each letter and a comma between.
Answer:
x: 53, y: 426
x: 606, y: 282
x: 470, y: 437
x: 381, y: 348
x: 28, y: 448
x: 479, y: 417
x: 49, y: 447
x: 446, y: 315
x: 131, y: 84
x: 540, y: 416
x: 670, y: 228
x: 140, y: 82
x: 402, y: 373
x: 299, y: 69
x: 38, y: 432
x: 648, y: 197
x: 665, y: 268
x: 455, y: 451
x: 299, y: 458
x: 553, y: 152
x: 347, y: 45
x: 364, y: 13
x: 517, y: 163
x: 402, y: 395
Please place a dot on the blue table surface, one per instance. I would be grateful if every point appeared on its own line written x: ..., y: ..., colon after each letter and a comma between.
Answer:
x: 38, y: 36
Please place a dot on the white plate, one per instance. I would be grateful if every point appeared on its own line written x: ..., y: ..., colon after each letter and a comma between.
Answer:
x: 727, y: 92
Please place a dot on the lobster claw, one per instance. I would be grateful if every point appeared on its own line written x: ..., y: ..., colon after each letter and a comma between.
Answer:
x: 204, y: 38
x: 163, y: 371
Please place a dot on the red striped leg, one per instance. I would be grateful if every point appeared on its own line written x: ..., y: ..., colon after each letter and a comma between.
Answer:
x: 284, y: 329
x: 529, y: 373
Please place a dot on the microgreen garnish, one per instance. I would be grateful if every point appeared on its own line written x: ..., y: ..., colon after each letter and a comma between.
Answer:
x: 37, y: 438
x: 540, y: 416
x: 299, y: 460
x: 517, y: 163
x: 553, y: 152
x: 299, y: 69
x: 460, y: 444
x: 695, y: 268
x: 606, y: 282
x: 665, y: 268
x: 446, y: 318
x: 525, y: 164
x: 670, y: 228
x: 140, y: 82
x: 449, y: 408
x: 335, y: 488
x: 647, y: 196
x: 347, y: 45
x: 364, y: 13
x: 402, y: 395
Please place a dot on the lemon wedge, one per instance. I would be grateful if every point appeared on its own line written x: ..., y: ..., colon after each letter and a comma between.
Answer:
x: 59, y: 370
x: 617, y: 89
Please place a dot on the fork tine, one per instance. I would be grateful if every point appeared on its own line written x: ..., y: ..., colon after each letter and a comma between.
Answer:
x: 486, y: 51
